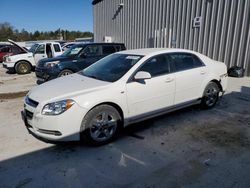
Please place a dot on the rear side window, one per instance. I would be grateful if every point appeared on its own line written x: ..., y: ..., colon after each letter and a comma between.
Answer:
x: 120, y: 47
x: 91, y: 50
x: 5, y: 49
x: 108, y: 49
x: 185, y: 61
x: 57, y: 47
x: 157, y: 65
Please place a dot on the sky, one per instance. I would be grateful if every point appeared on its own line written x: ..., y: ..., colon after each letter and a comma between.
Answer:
x: 47, y: 15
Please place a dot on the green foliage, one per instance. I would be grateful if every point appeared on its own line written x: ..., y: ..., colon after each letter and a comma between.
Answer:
x: 7, y: 31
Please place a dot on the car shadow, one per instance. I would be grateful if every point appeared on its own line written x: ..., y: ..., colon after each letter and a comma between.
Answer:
x: 127, y: 159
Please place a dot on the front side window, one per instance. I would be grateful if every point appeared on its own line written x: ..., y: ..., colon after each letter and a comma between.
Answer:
x: 91, y: 50
x: 185, y: 61
x: 112, y: 67
x: 73, y: 51
x: 157, y: 65
x: 40, y: 49
x: 33, y: 48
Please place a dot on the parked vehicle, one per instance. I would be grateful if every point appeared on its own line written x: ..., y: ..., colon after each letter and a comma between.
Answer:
x: 23, y: 63
x: 8, y: 50
x: 120, y: 89
x: 75, y: 59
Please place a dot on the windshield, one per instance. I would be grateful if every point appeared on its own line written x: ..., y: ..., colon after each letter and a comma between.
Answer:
x: 112, y: 67
x: 33, y: 48
x: 74, y: 50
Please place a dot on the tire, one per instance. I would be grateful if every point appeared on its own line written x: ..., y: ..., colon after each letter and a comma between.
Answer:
x: 65, y: 72
x: 210, y: 95
x: 101, y: 125
x: 23, y: 67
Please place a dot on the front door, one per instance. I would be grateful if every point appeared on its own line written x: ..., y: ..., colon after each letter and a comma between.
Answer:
x: 40, y: 53
x: 155, y: 94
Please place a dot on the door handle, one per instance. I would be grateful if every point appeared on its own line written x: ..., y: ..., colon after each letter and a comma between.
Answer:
x: 74, y: 61
x: 203, y: 72
x: 169, y: 80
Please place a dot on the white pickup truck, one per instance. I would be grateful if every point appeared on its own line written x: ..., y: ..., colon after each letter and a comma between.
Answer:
x: 23, y: 63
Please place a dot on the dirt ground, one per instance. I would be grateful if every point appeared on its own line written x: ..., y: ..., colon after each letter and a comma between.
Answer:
x: 187, y: 148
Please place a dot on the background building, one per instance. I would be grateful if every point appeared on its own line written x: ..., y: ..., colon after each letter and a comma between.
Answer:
x: 217, y: 28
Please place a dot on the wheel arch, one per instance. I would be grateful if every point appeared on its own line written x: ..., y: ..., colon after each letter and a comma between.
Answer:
x: 24, y: 61
x: 116, y: 106
x: 66, y: 68
x: 218, y: 83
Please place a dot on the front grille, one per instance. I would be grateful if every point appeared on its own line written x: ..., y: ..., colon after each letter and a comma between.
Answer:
x: 31, y: 102
x: 29, y: 114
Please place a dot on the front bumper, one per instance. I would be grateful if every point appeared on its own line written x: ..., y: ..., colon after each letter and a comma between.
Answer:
x: 45, y: 74
x: 63, y: 127
x: 8, y: 65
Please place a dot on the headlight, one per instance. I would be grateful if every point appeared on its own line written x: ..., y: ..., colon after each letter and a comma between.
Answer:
x: 51, y: 64
x: 8, y: 59
x: 57, y: 108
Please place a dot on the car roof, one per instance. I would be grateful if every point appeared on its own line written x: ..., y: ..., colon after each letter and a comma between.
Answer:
x: 103, y: 43
x: 52, y: 42
x: 97, y: 43
x: 154, y: 51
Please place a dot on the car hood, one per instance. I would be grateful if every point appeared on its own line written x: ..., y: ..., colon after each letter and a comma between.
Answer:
x: 15, y: 44
x: 58, y: 58
x: 65, y: 87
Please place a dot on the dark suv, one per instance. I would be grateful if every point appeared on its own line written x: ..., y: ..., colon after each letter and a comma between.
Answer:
x: 78, y: 57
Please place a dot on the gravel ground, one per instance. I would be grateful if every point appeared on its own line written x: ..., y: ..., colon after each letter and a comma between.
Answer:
x: 13, y: 83
x: 187, y: 148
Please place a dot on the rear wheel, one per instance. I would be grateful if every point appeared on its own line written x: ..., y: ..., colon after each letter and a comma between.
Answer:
x: 65, y: 73
x: 22, y: 67
x: 210, y: 95
x: 100, y: 125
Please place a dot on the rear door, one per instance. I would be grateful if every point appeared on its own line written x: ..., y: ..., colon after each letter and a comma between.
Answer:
x: 190, y: 74
x: 57, y: 50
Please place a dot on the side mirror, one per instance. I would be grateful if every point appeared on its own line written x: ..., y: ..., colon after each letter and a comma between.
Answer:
x: 142, y: 75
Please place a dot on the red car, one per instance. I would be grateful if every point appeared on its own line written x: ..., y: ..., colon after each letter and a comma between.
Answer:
x: 9, y: 50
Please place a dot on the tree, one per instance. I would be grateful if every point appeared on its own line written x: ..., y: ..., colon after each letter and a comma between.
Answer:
x: 7, y: 31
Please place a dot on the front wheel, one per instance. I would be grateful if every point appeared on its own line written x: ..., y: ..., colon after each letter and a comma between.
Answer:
x: 65, y: 73
x: 210, y: 95
x: 22, y: 67
x: 100, y: 125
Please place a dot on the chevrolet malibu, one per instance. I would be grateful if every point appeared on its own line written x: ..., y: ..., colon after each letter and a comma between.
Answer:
x: 120, y: 89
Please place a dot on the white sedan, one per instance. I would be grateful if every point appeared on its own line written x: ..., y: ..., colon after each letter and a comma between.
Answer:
x: 120, y: 89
